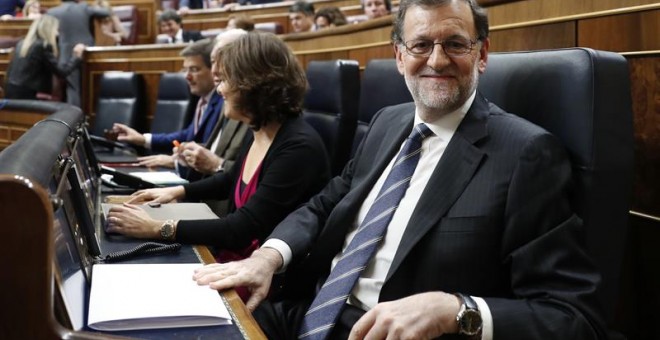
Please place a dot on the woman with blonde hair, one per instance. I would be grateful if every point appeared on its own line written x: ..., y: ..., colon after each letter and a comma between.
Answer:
x: 35, y: 60
x: 32, y: 9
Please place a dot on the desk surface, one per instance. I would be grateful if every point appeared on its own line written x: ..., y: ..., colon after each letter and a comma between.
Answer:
x: 244, y: 327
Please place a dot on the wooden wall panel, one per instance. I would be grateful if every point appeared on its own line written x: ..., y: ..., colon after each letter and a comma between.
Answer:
x: 146, y: 16
x: 13, y: 124
x: 639, y: 31
x: 272, y: 8
x: 530, y: 10
x: 539, y: 37
x: 15, y: 27
x: 645, y: 83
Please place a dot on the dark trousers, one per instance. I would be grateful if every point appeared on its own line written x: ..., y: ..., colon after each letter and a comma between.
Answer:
x: 281, y: 320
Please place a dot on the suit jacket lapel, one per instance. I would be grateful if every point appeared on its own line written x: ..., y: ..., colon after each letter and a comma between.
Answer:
x: 228, y: 132
x: 450, y: 177
x: 208, y: 112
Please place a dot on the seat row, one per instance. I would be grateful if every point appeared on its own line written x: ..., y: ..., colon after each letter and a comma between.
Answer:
x: 339, y: 105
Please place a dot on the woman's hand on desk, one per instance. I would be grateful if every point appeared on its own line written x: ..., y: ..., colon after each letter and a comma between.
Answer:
x: 131, y: 220
x: 160, y: 195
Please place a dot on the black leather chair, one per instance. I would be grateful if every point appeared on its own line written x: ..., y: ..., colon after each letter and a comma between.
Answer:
x: 583, y: 97
x: 382, y: 85
x: 331, y: 106
x: 120, y: 100
x: 171, y: 113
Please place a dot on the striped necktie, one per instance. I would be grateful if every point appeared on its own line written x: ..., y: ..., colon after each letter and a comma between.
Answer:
x: 199, y: 114
x: 324, y: 310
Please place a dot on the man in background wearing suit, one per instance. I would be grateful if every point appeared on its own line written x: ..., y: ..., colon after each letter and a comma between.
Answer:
x: 463, y: 228
x: 207, y: 110
x: 171, y: 30
x: 75, y: 18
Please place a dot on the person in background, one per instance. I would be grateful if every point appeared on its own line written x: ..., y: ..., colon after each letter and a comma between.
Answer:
x: 281, y: 165
x: 8, y: 8
x: 111, y: 25
x: 75, y: 18
x: 32, y: 9
x: 327, y: 17
x: 219, y: 152
x: 35, y: 61
x: 240, y: 21
x: 453, y: 218
x: 221, y: 149
x: 376, y: 8
x: 301, y: 16
x: 186, y: 5
x: 170, y: 26
x: 207, y: 110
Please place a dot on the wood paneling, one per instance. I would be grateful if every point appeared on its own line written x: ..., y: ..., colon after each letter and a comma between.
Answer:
x: 645, y: 84
x: 539, y: 37
x: 214, y: 23
x: 16, y: 27
x: 14, y: 124
x: 638, y: 31
x: 530, y: 10
x: 272, y: 8
x: 146, y: 13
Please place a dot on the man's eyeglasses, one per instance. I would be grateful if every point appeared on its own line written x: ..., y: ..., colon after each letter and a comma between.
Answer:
x: 191, y: 70
x: 454, y: 47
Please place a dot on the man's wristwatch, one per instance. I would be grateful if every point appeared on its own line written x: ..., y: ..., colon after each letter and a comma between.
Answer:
x: 167, y: 230
x: 468, y: 317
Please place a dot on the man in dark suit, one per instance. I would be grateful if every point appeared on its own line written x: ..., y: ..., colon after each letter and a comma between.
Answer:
x: 207, y: 110
x: 172, y: 31
x: 75, y: 18
x: 480, y: 239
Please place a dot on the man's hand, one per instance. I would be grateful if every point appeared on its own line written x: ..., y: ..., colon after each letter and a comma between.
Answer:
x: 420, y: 316
x: 255, y: 273
x: 128, y: 134
x: 199, y: 158
x: 157, y: 160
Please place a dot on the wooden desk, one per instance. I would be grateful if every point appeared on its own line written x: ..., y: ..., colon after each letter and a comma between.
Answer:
x: 33, y: 308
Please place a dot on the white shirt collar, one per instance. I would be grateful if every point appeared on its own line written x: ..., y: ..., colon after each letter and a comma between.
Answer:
x: 445, y: 126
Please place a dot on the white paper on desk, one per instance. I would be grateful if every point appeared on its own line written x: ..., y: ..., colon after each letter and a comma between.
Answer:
x: 160, y: 177
x: 145, y: 296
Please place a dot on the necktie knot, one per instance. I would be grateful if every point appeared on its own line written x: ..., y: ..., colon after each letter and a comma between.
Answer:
x: 420, y: 132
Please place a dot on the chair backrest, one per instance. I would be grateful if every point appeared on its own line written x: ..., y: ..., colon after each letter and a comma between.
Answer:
x: 120, y: 100
x: 128, y: 16
x: 582, y: 96
x: 331, y: 106
x: 171, y: 113
x: 382, y: 85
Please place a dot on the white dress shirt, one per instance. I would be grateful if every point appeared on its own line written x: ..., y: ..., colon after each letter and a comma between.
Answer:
x: 366, y: 291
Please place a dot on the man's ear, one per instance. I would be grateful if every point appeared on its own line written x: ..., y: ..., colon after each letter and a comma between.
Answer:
x: 483, y: 55
x: 398, y: 54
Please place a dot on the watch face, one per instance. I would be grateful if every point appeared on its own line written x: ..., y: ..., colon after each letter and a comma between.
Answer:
x: 470, y: 322
x: 166, y: 230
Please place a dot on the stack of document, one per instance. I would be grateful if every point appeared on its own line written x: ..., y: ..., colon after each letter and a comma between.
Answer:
x: 148, y: 296
x: 160, y: 177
